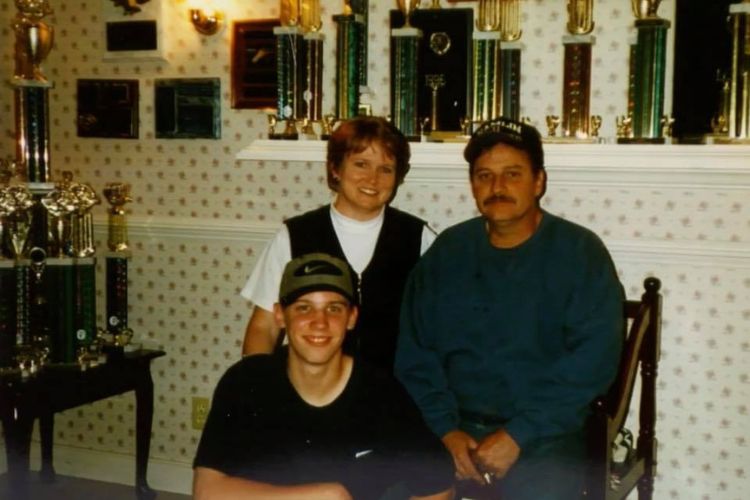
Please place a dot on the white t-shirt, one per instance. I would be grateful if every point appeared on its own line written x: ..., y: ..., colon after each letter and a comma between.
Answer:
x: 357, y: 239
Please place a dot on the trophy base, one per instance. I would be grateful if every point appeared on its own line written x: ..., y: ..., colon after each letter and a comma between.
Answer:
x: 572, y: 140
x: 308, y: 137
x: 725, y: 139
x: 24, y: 82
x: 447, y: 136
x: 113, y: 351
x: 116, y: 254
x: 283, y: 137
x: 642, y: 140
x: 40, y: 187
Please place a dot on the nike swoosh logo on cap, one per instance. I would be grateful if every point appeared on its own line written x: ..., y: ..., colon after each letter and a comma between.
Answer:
x: 362, y: 453
x: 308, y: 269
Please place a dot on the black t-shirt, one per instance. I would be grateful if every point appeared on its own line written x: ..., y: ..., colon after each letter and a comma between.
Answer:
x: 370, y: 438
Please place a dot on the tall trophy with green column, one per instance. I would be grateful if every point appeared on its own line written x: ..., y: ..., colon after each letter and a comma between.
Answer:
x: 649, y: 71
x: 510, y: 57
x: 350, y: 36
x: 312, y: 41
x: 404, y: 73
x: 290, y: 77
x: 486, y: 66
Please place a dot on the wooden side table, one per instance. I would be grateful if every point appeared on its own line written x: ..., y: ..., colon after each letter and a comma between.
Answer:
x: 59, y: 388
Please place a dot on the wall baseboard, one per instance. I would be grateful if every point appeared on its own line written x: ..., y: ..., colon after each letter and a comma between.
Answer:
x: 111, y: 468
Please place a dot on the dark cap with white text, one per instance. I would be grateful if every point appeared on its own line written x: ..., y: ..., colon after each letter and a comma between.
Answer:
x: 505, y: 131
x: 315, y: 272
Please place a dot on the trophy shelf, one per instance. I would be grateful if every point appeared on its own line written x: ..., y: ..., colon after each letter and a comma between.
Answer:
x: 674, y: 166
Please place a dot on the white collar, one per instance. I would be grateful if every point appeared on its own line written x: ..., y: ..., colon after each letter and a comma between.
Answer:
x: 354, y: 224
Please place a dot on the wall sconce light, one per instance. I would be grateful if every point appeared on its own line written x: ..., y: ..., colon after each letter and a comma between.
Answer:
x: 204, y: 23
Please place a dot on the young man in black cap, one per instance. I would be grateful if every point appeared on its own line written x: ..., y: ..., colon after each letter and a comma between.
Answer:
x: 311, y: 422
x: 511, y: 325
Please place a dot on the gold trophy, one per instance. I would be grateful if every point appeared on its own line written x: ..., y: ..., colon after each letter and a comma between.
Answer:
x: 15, y: 205
x: 289, y: 12
x: 329, y: 123
x: 60, y: 205
x: 82, y: 231
x: 117, y: 194
x: 407, y: 7
x: 580, y: 17
x: 117, y: 335
x: 644, y: 9
x: 33, y: 39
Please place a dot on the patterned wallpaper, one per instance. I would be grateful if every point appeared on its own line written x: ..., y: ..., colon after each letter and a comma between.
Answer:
x: 200, y: 217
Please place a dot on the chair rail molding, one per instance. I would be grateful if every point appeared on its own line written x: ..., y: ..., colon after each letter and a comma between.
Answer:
x: 664, y: 166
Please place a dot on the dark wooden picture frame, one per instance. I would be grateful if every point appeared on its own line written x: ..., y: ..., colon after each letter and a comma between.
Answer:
x: 254, y: 64
x: 187, y: 108
x: 107, y: 108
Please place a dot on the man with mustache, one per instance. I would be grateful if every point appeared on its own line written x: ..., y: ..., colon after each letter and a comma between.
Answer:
x: 511, y: 325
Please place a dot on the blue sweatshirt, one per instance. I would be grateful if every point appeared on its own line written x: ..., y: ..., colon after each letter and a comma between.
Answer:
x: 529, y: 335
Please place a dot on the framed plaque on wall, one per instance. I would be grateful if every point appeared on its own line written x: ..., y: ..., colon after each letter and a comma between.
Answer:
x: 133, y: 30
x: 254, y: 64
x: 107, y: 108
x: 188, y: 108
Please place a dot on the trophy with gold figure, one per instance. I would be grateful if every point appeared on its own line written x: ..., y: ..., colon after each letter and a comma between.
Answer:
x: 648, y: 74
x: 404, y: 73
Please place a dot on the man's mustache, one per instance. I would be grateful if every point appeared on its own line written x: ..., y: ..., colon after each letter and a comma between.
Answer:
x: 498, y: 198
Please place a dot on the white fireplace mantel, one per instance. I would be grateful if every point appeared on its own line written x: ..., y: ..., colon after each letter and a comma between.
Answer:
x: 675, y: 166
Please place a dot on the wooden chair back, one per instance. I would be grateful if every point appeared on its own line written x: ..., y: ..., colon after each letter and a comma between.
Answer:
x: 607, y: 480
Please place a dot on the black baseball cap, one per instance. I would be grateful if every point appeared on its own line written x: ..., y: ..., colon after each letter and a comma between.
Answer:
x: 505, y: 131
x: 315, y: 272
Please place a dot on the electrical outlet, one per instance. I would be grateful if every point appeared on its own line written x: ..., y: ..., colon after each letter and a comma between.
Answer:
x: 200, y: 412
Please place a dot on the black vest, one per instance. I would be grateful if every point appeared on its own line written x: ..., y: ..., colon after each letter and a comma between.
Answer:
x: 381, y: 285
